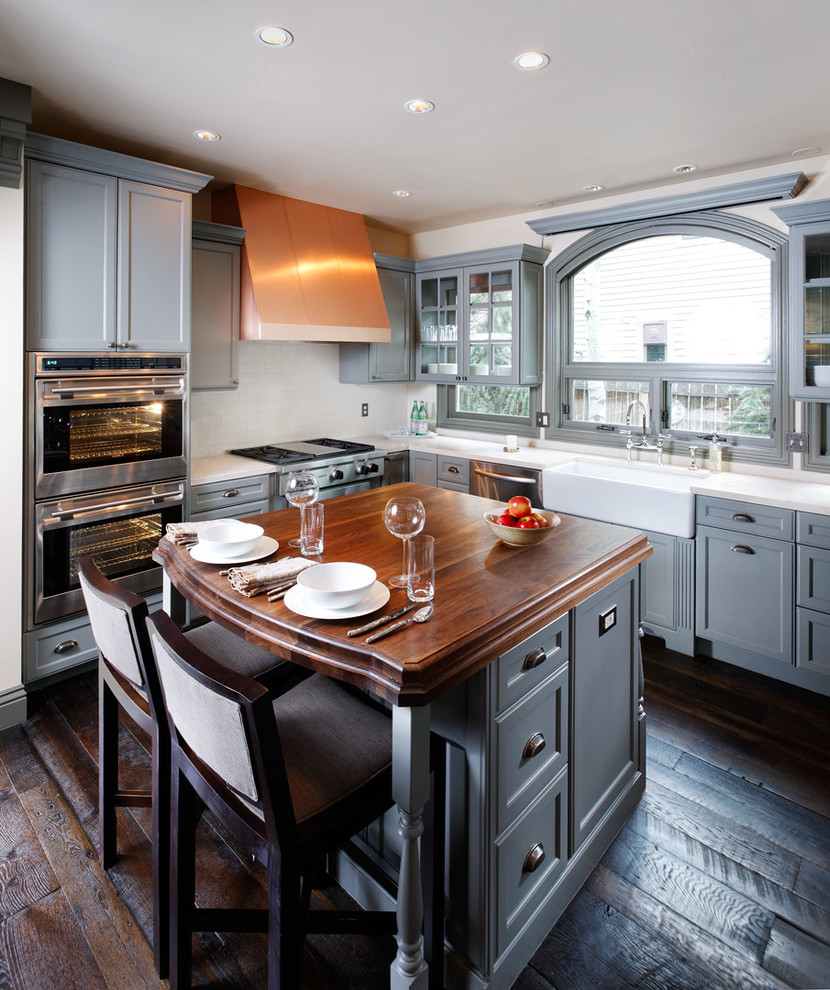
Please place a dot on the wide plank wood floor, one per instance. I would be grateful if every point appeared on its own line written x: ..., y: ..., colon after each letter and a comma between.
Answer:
x: 721, y: 878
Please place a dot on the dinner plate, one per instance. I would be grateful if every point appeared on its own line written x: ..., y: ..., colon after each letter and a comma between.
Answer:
x: 264, y: 548
x: 377, y: 597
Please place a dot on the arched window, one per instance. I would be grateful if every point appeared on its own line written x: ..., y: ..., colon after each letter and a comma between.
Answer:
x: 682, y: 314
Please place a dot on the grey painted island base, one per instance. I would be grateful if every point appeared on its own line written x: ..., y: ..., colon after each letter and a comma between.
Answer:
x: 546, y: 763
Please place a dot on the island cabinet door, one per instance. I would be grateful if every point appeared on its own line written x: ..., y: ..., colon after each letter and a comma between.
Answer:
x: 604, y: 702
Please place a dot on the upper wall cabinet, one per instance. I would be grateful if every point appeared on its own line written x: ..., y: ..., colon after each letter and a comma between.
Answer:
x: 107, y: 253
x: 809, y: 298
x: 215, y: 305
x: 480, y: 317
x: 392, y: 362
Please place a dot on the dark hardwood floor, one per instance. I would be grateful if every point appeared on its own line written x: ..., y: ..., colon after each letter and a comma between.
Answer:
x: 721, y: 879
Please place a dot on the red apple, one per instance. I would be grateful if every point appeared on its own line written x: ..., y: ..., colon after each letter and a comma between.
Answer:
x: 540, y: 519
x: 505, y: 519
x: 528, y: 522
x: 519, y: 506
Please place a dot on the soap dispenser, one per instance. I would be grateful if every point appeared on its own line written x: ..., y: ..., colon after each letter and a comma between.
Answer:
x: 715, y: 453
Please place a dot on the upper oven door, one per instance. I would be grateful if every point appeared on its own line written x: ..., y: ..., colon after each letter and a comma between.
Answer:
x: 97, y: 433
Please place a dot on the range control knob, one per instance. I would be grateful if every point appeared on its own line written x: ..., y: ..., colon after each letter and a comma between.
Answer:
x: 336, y: 475
x: 362, y: 468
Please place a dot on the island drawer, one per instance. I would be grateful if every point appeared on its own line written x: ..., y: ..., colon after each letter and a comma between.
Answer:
x: 528, y: 664
x: 813, y: 529
x: 531, y: 746
x: 248, y: 495
x: 745, y: 517
x: 812, y: 640
x: 813, y: 578
x: 453, y: 469
x: 528, y: 859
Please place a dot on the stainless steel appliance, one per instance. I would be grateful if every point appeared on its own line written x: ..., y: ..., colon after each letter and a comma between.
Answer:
x: 340, y: 466
x: 106, y: 470
x: 101, y: 421
x: 503, y: 481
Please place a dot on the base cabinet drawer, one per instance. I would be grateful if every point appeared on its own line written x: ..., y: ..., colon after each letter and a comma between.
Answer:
x: 746, y: 518
x: 812, y: 638
x: 522, y: 668
x: 528, y: 859
x: 223, y: 499
x: 813, y: 581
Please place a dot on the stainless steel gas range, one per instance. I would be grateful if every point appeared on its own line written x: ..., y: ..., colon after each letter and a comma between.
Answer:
x: 340, y: 466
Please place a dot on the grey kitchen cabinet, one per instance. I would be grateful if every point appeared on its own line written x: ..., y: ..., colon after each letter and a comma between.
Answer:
x: 56, y: 649
x: 536, y: 791
x: 744, y: 579
x: 668, y: 590
x: 107, y: 253
x: 479, y: 317
x: 809, y: 280
x: 364, y: 363
x: 452, y: 473
x: 812, y: 613
x: 231, y: 499
x: 422, y: 467
x: 214, y: 306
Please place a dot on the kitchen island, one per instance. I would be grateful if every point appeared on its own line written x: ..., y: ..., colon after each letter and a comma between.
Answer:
x: 529, y: 667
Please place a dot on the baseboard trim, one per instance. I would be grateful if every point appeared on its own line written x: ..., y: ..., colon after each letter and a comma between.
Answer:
x: 12, y: 707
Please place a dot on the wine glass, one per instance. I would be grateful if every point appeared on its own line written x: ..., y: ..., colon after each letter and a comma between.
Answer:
x: 301, y: 489
x: 404, y: 517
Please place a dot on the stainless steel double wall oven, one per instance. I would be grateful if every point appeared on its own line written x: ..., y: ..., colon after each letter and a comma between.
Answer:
x: 107, y: 452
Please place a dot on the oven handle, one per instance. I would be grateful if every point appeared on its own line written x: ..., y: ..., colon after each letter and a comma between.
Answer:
x: 85, y: 510
x: 118, y: 391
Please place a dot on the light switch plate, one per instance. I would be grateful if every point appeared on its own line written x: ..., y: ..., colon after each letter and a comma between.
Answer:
x: 796, y: 442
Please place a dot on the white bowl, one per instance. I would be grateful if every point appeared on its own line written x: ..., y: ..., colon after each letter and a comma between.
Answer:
x: 821, y: 374
x: 231, y: 538
x: 447, y: 369
x: 478, y: 369
x: 336, y: 585
x: 503, y: 369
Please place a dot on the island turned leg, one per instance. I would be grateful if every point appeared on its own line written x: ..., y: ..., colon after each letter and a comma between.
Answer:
x: 410, y: 789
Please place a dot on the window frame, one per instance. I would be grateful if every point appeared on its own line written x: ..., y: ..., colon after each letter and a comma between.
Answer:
x: 560, y: 371
x: 447, y: 415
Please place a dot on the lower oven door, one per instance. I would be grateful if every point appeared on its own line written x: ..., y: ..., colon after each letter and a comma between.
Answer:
x: 118, y: 528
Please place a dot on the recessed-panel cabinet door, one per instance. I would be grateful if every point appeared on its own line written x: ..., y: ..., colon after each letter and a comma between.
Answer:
x: 154, y: 239
x: 70, y: 258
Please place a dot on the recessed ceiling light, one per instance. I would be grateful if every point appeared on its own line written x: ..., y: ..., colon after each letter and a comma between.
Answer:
x: 531, y: 60
x: 419, y: 106
x: 274, y: 37
x: 402, y: 193
x: 683, y: 169
x: 593, y: 188
x: 805, y: 152
x: 207, y: 135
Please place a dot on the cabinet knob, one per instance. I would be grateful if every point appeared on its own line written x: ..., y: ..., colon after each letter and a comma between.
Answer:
x: 533, y: 746
x: 66, y: 646
x: 534, y: 858
x: 230, y: 493
x: 534, y: 659
x: 740, y: 548
x: 742, y: 517
x: 452, y: 469
x: 111, y: 343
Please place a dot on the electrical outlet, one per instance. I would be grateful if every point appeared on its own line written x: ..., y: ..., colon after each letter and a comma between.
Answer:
x: 796, y: 442
x: 364, y: 409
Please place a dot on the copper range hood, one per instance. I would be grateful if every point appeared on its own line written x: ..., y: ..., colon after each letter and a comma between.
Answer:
x: 307, y: 270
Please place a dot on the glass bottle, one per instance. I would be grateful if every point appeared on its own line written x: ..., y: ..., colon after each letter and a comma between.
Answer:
x: 423, y: 422
x: 413, y: 418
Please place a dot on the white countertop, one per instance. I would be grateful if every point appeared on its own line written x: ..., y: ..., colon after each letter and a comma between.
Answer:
x: 787, y: 489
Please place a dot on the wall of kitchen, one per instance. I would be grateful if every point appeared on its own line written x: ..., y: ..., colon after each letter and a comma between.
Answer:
x: 11, y: 445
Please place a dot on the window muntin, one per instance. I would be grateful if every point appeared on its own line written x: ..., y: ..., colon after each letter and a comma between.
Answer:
x: 681, y: 298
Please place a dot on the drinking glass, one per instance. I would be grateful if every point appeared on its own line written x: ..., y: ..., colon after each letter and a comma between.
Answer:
x: 420, y: 581
x: 404, y: 517
x: 311, y: 536
x: 301, y: 489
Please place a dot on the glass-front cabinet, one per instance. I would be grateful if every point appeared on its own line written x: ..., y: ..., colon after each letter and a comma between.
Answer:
x: 809, y: 298
x: 479, y: 317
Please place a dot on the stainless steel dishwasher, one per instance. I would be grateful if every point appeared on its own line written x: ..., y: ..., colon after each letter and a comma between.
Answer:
x: 503, y: 481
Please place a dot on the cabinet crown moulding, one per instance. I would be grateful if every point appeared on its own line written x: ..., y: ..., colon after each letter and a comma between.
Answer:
x: 308, y: 272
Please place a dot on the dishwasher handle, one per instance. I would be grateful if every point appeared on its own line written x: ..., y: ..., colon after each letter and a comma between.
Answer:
x: 519, y: 479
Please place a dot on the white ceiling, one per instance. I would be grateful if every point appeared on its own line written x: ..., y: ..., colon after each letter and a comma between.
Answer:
x: 634, y: 87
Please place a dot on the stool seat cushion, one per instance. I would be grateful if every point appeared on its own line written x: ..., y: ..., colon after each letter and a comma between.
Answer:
x: 232, y: 651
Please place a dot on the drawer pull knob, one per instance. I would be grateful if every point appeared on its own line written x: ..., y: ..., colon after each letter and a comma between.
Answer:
x: 452, y: 469
x: 66, y: 646
x: 740, y: 548
x: 742, y: 517
x: 533, y: 746
x: 534, y: 858
x: 534, y: 659
x: 230, y: 493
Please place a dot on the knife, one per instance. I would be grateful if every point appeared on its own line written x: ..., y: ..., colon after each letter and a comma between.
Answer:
x: 382, y: 620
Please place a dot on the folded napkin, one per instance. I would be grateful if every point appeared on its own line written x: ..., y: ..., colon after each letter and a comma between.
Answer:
x: 254, y: 578
x: 187, y: 532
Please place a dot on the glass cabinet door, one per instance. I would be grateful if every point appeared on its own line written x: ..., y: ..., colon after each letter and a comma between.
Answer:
x: 491, y: 320
x: 817, y: 309
x: 438, y: 349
